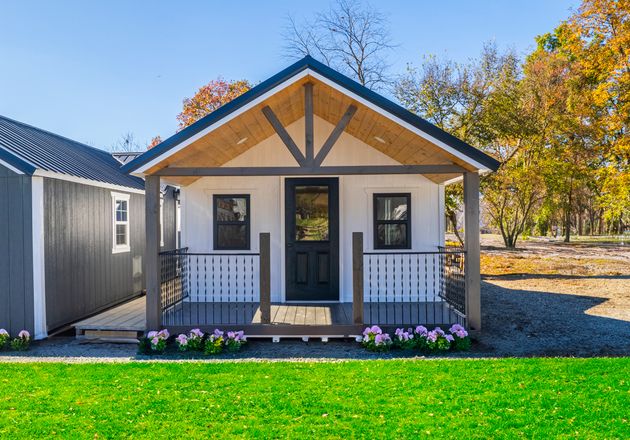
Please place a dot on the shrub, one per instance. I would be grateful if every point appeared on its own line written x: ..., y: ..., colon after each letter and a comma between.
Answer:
x: 191, y: 342
x: 154, y: 342
x: 461, y: 340
x: 420, y: 338
x: 235, y: 340
x: 195, y: 340
x: 182, y: 342
x: 214, y: 343
x: 404, y: 339
x: 375, y: 340
x: 4, y: 338
x: 437, y: 340
x: 22, y: 342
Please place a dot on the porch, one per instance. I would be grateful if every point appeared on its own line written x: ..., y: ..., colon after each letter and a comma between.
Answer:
x: 232, y: 291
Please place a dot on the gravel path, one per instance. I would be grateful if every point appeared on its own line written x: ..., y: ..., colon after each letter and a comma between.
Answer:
x: 523, y: 315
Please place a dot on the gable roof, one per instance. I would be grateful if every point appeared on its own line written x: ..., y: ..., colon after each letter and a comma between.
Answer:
x: 333, y: 76
x: 28, y: 149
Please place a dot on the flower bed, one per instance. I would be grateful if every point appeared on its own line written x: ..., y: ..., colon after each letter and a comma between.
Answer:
x: 20, y: 343
x: 420, y: 338
x: 194, y: 341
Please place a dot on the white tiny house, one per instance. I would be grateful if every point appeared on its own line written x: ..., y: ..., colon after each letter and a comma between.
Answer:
x: 311, y: 204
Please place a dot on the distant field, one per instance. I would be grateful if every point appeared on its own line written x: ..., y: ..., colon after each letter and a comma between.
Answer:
x: 541, y: 398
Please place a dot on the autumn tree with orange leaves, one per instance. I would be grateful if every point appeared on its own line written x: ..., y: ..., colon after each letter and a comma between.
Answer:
x: 209, y: 98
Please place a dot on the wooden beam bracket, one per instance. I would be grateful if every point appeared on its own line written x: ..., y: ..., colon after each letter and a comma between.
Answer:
x: 284, y: 135
x: 334, y: 135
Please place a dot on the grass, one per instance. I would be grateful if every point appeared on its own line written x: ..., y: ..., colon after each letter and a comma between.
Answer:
x: 585, y: 398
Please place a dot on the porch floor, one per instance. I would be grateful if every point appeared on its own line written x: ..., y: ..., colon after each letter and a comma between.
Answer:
x: 128, y: 320
x: 314, y: 314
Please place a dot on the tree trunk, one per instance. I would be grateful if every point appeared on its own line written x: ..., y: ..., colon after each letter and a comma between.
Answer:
x: 580, y: 224
x: 452, y: 218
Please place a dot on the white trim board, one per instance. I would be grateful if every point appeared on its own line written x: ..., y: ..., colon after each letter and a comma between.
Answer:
x: 307, y: 72
x: 121, y: 248
x: 39, y: 270
x: 83, y: 181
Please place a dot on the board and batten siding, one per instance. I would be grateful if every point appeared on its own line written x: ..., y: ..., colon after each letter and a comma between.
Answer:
x: 16, y: 252
x: 355, y: 203
x: 83, y: 275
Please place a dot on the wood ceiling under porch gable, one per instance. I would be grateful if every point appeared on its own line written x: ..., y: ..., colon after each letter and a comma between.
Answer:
x: 248, y: 129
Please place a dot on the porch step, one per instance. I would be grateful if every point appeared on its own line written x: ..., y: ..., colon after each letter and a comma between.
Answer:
x: 119, y: 336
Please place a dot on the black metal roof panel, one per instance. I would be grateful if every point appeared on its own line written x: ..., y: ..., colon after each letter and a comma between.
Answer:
x: 28, y: 149
x: 310, y: 63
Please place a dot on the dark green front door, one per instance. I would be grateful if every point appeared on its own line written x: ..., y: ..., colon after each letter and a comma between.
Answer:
x: 312, y: 239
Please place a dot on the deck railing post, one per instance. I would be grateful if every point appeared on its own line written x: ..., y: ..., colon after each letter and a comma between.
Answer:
x: 152, y: 250
x: 265, y: 278
x: 357, y: 278
x: 471, y: 242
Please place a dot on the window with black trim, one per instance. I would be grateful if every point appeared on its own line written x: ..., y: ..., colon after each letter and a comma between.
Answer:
x: 392, y: 221
x: 231, y: 222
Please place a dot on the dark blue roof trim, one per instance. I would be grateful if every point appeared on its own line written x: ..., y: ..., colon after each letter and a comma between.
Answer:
x: 16, y: 162
x: 331, y: 74
x: 29, y: 148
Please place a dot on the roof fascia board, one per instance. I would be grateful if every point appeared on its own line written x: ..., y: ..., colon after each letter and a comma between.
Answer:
x: 15, y: 163
x: 399, y: 121
x: 83, y: 181
x: 143, y: 168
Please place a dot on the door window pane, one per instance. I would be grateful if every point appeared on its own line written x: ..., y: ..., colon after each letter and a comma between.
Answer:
x: 311, y: 213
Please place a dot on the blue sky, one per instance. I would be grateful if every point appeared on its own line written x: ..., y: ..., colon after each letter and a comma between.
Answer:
x: 93, y: 71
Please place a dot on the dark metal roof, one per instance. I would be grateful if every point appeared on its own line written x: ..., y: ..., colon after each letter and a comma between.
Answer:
x: 28, y: 149
x: 310, y: 63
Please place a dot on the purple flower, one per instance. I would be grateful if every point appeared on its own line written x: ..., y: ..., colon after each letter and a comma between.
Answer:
x: 152, y: 334
x: 439, y: 331
x: 240, y: 336
x: 196, y: 332
x: 456, y: 328
x: 155, y: 341
x: 449, y: 338
x: 24, y: 335
x: 382, y: 339
x: 421, y: 330
x: 163, y: 334
x: 217, y: 333
x: 182, y: 340
x: 432, y: 336
x: 3, y: 332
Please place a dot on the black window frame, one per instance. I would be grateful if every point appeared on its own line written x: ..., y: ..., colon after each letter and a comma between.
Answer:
x: 376, y: 222
x: 216, y: 223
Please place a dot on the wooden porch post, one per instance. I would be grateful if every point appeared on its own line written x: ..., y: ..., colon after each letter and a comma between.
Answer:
x: 152, y: 250
x: 472, y: 247
x: 265, y: 278
x: 357, y: 277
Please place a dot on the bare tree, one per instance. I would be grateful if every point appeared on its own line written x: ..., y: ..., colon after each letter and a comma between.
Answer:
x: 351, y: 37
x: 126, y: 143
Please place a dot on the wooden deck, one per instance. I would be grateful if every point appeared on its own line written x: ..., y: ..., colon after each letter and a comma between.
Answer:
x: 123, y: 322
x: 297, y: 319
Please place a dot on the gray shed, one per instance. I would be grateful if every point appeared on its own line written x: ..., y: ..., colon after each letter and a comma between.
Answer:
x: 71, y: 229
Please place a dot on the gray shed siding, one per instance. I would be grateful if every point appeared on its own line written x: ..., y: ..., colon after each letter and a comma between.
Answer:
x: 16, y: 252
x: 83, y: 276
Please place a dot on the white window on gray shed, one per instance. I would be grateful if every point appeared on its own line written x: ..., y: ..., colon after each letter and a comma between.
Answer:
x: 120, y: 225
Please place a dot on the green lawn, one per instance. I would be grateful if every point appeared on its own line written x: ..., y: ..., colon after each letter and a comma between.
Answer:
x: 582, y: 398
